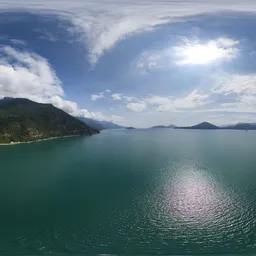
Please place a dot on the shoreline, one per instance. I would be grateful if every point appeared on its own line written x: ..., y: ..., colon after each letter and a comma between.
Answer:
x: 27, y: 142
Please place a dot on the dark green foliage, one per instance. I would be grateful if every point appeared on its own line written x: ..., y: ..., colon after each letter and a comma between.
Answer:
x: 24, y: 120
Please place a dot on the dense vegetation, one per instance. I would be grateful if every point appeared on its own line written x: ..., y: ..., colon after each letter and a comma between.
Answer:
x: 24, y: 120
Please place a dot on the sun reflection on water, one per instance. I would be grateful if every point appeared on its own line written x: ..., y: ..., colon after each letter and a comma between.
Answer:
x: 194, y: 197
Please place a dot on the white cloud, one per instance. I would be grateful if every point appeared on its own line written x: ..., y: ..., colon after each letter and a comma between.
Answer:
x: 137, y: 106
x: 116, y: 96
x: 46, y: 35
x: 189, y: 52
x: 202, y: 53
x: 235, y: 84
x: 129, y: 98
x: 241, y: 88
x: 97, y: 96
x: 192, y: 100
x: 23, y: 74
x: 18, y: 42
x: 102, y: 24
x: 157, y: 103
x: 113, y: 96
x: 28, y: 75
x: 149, y: 60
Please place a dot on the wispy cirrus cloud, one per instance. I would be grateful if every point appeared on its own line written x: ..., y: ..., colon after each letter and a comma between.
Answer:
x: 101, y: 25
x: 17, y: 42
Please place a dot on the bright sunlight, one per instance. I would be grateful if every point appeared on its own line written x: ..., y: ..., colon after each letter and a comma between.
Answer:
x: 205, y: 53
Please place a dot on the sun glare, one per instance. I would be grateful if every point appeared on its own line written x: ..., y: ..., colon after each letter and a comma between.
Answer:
x: 201, y: 54
x: 205, y: 53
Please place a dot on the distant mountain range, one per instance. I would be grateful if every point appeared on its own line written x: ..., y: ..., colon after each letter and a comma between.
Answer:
x: 241, y: 126
x: 163, y: 126
x: 209, y: 126
x: 23, y: 120
x: 100, y: 125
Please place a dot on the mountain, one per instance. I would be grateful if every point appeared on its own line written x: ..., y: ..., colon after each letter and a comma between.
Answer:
x: 201, y: 126
x: 24, y: 120
x: 92, y: 123
x: 163, y: 126
x: 241, y: 126
x: 100, y: 125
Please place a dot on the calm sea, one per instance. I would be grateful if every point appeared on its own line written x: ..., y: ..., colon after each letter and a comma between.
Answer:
x: 158, y: 191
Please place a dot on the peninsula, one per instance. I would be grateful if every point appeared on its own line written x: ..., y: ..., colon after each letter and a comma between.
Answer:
x: 23, y: 120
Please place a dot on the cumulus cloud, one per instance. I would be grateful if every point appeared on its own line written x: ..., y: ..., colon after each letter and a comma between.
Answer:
x: 137, y: 106
x: 226, y: 93
x: 28, y: 75
x: 116, y: 96
x: 241, y: 88
x: 192, y: 100
x: 97, y: 96
x: 101, y: 25
x: 129, y: 98
x: 157, y: 103
x: 235, y: 84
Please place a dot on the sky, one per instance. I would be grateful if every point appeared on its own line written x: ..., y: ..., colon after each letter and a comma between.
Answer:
x: 136, y: 63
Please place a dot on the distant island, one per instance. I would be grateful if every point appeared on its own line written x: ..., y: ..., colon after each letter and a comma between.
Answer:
x: 130, y: 128
x: 241, y: 126
x: 209, y: 126
x: 201, y: 126
x: 163, y: 126
x: 23, y: 120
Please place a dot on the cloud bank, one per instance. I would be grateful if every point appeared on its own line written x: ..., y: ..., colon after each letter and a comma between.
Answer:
x: 100, y: 25
x: 28, y: 75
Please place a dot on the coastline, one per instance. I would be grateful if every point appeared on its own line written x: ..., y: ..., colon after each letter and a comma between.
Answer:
x: 26, y: 142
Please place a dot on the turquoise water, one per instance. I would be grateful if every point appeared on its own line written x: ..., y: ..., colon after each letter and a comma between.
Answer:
x: 130, y: 192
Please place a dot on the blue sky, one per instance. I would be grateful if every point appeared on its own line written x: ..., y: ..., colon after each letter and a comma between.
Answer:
x: 134, y: 63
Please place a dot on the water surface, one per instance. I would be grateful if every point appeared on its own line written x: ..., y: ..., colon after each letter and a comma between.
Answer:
x: 130, y: 192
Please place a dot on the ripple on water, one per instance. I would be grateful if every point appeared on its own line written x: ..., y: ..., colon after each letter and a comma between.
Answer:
x: 185, y: 208
x: 189, y: 205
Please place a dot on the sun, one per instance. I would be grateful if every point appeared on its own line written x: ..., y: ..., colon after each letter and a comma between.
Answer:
x: 212, y: 51
x: 201, y: 54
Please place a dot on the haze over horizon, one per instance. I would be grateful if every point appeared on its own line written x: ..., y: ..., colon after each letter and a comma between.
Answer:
x: 134, y: 63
